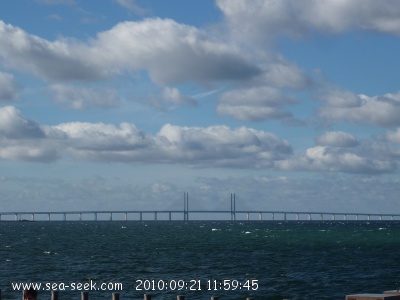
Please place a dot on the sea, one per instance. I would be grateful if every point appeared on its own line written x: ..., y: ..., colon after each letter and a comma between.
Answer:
x: 200, y: 259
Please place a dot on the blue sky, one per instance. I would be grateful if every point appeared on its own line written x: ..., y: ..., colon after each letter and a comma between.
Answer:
x: 123, y: 104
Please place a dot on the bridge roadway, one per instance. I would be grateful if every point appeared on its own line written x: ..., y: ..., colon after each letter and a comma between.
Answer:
x: 184, y: 215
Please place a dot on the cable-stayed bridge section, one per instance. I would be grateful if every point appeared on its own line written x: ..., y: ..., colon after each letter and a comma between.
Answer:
x: 193, y: 215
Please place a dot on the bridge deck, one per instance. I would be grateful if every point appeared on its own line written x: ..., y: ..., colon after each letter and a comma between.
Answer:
x: 186, y: 215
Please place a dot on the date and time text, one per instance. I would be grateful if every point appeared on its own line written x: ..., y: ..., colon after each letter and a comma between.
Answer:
x: 195, y: 284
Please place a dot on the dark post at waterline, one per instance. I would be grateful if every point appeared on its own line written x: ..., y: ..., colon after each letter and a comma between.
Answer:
x: 115, y: 296
x: 54, y: 295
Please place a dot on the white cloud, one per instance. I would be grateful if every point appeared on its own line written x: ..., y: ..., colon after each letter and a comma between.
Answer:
x: 338, y: 159
x: 214, y: 146
x: 22, y: 139
x: 268, y: 18
x: 201, y: 147
x: 377, y: 110
x: 337, y: 139
x: 8, y: 87
x: 57, y: 60
x: 94, y: 141
x: 81, y: 98
x: 254, y: 104
x: 13, y: 125
x: 169, y: 51
x: 220, y: 146
x: 281, y: 73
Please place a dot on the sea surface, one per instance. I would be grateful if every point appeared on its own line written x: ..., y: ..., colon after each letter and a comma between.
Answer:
x: 259, y: 259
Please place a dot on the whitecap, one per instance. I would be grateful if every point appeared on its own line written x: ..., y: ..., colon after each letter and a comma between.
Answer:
x: 46, y: 252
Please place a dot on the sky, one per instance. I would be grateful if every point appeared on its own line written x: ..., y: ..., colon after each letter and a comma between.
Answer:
x: 129, y: 104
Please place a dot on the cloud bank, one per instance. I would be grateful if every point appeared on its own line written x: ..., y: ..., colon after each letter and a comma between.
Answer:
x: 201, y: 147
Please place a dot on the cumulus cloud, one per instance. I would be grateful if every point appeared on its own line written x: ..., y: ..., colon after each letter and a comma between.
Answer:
x: 337, y: 139
x: 222, y: 146
x: 377, y: 110
x: 57, y: 60
x: 13, y: 125
x: 338, y: 151
x: 172, y: 52
x: 23, y: 139
x: 266, y: 19
x: 200, y: 147
x: 214, y: 146
x: 254, y: 104
x: 81, y: 98
x: 281, y: 73
x: 8, y: 87
x: 100, y: 141
x: 169, y: 51
x: 341, y: 152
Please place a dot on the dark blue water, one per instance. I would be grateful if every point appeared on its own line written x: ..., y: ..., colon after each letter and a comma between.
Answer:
x: 270, y: 260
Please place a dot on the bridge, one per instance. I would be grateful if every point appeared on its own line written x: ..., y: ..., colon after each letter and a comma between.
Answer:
x: 186, y: 215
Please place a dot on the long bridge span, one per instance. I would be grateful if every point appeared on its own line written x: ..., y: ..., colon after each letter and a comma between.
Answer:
x: 175, y: 215
x: 186, y: 215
